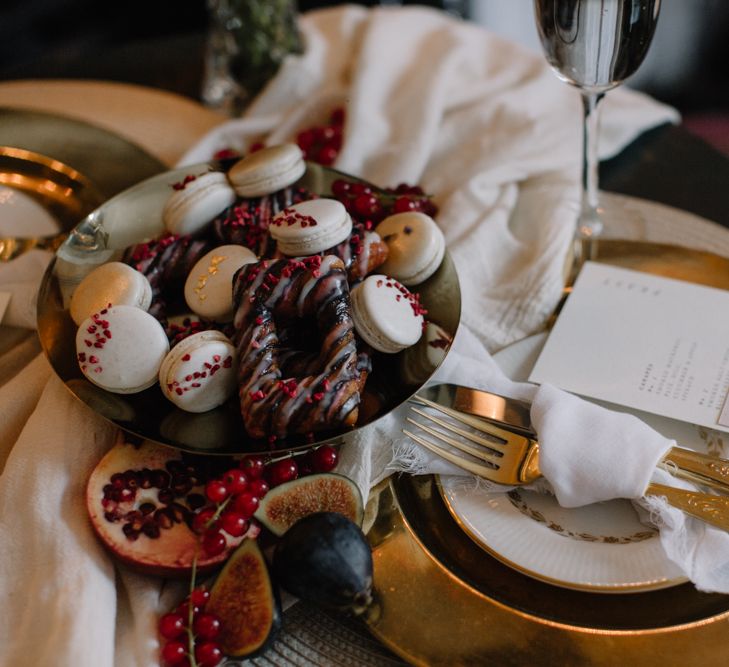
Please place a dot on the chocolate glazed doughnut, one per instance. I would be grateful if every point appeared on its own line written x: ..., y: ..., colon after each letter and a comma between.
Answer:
x: 273, y: 301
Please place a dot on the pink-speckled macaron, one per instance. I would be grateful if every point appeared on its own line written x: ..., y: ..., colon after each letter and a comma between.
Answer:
x: 310, y: 227
x: 199, y: 373
x: 121, y: 348
x: 195, y: 201
x: 415, y: 247
x: 386, y: 314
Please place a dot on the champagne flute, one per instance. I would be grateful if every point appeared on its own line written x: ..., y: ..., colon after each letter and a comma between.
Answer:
x: 594, y: 45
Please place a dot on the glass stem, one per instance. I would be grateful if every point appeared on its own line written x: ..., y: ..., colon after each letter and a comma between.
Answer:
x: 589, y: 224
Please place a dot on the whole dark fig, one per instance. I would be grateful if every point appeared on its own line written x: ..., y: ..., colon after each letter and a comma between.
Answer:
x: 325, y: 558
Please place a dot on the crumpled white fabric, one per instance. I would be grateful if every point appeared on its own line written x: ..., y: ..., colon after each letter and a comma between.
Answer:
x: 479, y: 122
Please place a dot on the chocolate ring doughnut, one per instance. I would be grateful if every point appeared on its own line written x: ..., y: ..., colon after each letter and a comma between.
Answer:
x: 274, y: 300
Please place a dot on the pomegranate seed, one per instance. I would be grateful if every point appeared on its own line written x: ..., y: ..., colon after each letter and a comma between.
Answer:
x: 324, y: 458
x: 216, y: 491
x: 208, y: 654
x: 127, y: 495
x: 367, y: 204
x: 117, y: 480
x: 213, y: 542
x: 172, y: 625
x: 282, y: 471
x: 200, y: 597
x: 174, y: 653
x: 206, y: 626
x: 234, y: 524
x: 253, y: 466
x: 245, y: 504
x: 258, y: 487
x: 236, y: 480
x: 201, y: 519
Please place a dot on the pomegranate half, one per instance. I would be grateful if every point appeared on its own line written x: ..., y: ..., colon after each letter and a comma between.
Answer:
x: 141, y: 499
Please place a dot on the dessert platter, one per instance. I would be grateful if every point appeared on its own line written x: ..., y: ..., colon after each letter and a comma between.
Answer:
x: 209, y: 307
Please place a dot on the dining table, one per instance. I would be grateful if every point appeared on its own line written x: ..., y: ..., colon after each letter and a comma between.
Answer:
x: 443, y: 600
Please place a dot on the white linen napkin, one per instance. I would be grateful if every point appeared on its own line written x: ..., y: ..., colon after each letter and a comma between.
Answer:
x: 479, y: 122
x: 588, y: 454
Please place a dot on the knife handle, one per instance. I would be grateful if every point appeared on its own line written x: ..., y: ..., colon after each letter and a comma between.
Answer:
x: 711, y: 470
x: 704, y: 506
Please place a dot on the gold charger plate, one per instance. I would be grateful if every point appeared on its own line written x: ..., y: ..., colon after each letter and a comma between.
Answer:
x: 441, y: 600
x: 65, y: 193
x: 109, y: 161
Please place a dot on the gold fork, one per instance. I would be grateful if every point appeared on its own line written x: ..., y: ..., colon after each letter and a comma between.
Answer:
x: 513, y: 459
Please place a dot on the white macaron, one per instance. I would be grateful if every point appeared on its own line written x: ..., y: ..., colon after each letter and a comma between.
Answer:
x: 199, y: 373
x: 113, y: 283
x: 209, y: 286
x: 196, y: 200
x: 267, y: 170
x: 121, y: 348
x: 415, y: 245
x: 386, y: 315
x: 310, y: 227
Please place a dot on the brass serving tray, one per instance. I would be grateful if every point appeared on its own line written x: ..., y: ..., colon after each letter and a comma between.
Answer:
x: 442, y: 600
x: 135, y: 215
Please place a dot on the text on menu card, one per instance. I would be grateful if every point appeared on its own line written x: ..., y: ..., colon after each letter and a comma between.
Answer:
x: 645, y: 342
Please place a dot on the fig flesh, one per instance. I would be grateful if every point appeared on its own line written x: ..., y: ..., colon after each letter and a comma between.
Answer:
x: 245, y: 601
x: 141, y: 499
x: 325, y: 558
x: 285, y: 504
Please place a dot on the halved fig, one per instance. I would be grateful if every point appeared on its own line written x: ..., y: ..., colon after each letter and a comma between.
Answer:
x: 141, y: 499
x: 284, y: 505
x: 325, y: 558
x: 246, y: 603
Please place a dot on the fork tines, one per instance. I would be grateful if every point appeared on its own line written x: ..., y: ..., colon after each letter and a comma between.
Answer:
x: 499, y: 456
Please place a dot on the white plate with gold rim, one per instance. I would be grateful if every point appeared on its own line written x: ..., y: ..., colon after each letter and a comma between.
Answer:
x: 602, y: 547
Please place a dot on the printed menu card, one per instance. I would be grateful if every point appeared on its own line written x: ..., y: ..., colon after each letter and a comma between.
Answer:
x: 643, y: 341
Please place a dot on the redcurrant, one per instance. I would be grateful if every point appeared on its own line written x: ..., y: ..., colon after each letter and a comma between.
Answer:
x: 253, y: 466
x: 200, y: 596
x: 213, y: 542
x: 202, y: 518
x: 236, y: 481
x: 245, y: 504
x: 172, y: 625
x: 216, y: 491
x: 208, y: 654
x: 173, y: 653
x: 234, y: 524
x: 258, y: 487
x: 206, y: 626
x: 324, y: 458
x: 282, y: 471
